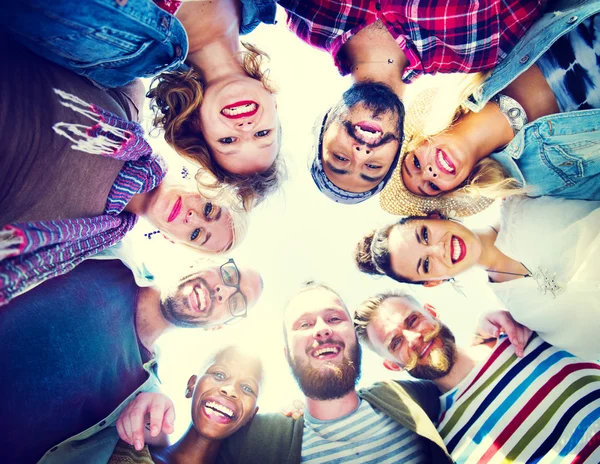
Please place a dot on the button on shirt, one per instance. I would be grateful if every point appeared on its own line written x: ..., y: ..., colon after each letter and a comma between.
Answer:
x: 436, y: 36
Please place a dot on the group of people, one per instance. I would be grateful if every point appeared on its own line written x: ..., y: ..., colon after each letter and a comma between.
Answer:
x: 79, y: 334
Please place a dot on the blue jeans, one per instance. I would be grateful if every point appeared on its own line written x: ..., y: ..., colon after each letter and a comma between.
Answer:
x: 109, y: 41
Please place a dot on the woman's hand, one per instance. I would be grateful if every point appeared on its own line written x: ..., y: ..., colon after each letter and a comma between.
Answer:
x: 492, y: 324
x: 160, y: 410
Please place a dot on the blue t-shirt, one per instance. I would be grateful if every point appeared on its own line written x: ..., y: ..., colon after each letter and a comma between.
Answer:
x: 70, y: 356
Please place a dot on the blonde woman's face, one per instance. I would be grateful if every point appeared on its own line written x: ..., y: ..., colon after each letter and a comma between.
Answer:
x: 186, y: 216
x: 432, y: 250
x: 238, y: 119
x: 438, y: 165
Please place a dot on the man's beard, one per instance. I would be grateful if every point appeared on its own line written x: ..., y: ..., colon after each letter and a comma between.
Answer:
x: 375, y: 97
x: 174, y: 308
x: 327, y: 382
x: 439, y: 360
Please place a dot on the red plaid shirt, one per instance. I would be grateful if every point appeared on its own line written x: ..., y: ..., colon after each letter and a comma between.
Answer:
x: 435, y: 35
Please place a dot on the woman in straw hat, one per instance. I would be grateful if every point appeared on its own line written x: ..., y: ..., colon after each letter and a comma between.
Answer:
x: 537, y: 133
x: 542, y: 261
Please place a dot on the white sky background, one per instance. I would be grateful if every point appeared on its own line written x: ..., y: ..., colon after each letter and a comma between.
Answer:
x: 295, y: 236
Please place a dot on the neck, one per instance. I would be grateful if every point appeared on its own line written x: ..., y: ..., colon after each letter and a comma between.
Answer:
x: 217, y: 61
x: 498, y: 132
x: 149, y: 321
x: 140, y: 202
x: 490, y: 255
x: 332, y: 409
x: 499, y: 266
x: 193, y: 447
x: 463, y: 364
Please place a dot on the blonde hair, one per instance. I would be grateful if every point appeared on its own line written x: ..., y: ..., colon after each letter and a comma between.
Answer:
x: 176, y: 100
x: 488, y: 178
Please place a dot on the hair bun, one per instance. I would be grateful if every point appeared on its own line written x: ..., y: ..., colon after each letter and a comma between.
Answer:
x: 363, y: 256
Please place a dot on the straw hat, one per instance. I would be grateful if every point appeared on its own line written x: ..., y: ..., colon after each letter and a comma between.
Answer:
x: 397, y: 199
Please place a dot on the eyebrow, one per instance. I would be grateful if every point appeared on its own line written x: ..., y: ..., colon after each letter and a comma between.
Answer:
x: 208, y: 236
x: 218, y: 216
x: 372, y: 179
x: 418, y: 241
x: 342, y: 172
x: 406, y: 169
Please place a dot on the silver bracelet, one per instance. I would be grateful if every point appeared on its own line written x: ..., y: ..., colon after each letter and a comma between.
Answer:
x: 512, y: 109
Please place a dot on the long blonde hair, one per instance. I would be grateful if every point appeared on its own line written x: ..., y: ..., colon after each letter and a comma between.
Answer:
x: 176, y: 99
x: 488, y: 178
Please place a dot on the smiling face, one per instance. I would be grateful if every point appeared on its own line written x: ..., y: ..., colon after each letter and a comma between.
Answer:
x: 432, y: 250
x: 411, y: 338
x: 202, y: 299
x: 362, y: 137
x: 321, y: 345
x: 224, y: 398
x: 238, y: 119
x: 187, y: 217
x: 439, y: 165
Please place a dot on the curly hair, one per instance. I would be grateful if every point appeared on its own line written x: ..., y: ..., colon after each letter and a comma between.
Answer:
x: 176, y: 98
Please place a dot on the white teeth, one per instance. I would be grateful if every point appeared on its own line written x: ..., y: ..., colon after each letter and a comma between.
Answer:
x: 239, y: 109
x: 443, y: 162
x: 329, y: 350
x: 202, y: 300
x: 224, y: 410
x: 455, y: 249
x: 367, y: 135
x: 425, y: 349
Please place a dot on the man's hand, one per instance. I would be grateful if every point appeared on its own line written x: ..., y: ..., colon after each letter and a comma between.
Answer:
x: 295, y: 410
x: 492, y: 324
x: 132, y: 420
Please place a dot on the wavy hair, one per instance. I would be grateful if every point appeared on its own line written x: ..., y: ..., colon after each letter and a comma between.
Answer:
x: 176, y: 99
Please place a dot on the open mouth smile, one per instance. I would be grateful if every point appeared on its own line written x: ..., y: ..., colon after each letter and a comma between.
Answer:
x: 326, y: 352
x: 444, y: 163
x: 200, y: 299
x: 368, y: 131
x: 458, y: 249
x: 218, y: 412
x: 425, y: 349
x: 241, y: 109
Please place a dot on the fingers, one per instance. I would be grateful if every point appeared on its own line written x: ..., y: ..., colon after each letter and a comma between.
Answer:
x: 295, y: 411
x: 169, y: 420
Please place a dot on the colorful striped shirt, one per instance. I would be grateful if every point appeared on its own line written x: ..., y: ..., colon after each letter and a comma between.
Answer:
x: 436, y: 36
x: 366, y: 435
x: 544, y: 407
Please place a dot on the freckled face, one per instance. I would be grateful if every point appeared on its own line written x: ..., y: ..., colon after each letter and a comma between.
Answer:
x: 432, y: 249
x: 224, y: 398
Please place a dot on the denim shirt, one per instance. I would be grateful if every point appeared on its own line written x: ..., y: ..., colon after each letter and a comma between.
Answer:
x: 111, y: 42
x: 558, y: 154
x: 96, y: 444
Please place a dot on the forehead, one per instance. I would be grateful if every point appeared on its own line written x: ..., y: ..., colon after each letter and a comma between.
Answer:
x: 239, y: 364
x: 312, y: 302
x: 390, y: 316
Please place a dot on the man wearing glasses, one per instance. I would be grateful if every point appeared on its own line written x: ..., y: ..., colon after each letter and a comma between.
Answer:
x: 77, y: 348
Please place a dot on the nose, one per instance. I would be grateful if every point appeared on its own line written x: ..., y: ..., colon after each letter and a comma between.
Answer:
x: 223, y: 292
x: 430, y: 172
x: 322, y: 330
x: 361, y: 151
x: 193, y: 218
x: 229, y: 389
x: 438, y: 249
x: 245, y: 125
x: 412, y: 338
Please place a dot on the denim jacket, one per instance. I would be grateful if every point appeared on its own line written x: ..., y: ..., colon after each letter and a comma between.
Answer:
x: 96, y: 444
x: 558, y: 154
x: 111, y: 41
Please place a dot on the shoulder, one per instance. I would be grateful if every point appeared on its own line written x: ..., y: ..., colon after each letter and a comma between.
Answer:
x: 269, y: 438
x: 134, y: 96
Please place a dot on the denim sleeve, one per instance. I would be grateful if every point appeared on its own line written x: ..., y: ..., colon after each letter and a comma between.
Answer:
x: 255, y: 12
x: 111, y: 42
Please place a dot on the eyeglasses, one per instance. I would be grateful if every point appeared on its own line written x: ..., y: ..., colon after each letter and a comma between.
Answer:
x: 238, y: 307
